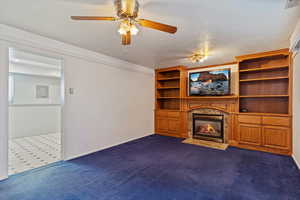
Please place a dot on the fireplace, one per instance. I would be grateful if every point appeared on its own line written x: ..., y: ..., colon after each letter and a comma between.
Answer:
x: 208, y: 127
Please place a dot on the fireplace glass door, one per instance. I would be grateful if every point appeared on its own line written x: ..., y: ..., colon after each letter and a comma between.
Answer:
x: 208, y: 126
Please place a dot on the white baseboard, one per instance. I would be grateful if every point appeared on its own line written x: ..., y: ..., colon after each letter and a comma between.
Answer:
x: 3, y: 178
x: 106, y: 147
x: 297, y: 163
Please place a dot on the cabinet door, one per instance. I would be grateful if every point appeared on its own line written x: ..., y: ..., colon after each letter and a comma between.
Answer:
x: 162, y: 124
x: 276, y: 137
x: 249, y: 134
x: 173, y: 126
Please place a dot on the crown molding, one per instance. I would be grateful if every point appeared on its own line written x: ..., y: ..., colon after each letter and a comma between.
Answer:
x: 21, y: 37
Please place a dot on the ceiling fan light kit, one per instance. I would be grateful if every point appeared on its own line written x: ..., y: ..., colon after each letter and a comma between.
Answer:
x: 198, y: 57
x: 127, y: 12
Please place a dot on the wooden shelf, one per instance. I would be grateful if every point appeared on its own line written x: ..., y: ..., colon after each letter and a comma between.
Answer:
x: 264, y: 68
x: 212, y: 97
x: 167, y: 109
x: 265, y: 79
x: 166, y: 88
x: 263, y: 96
x: 168, y: 97
x: 263, y: 114
x: 169, y: 78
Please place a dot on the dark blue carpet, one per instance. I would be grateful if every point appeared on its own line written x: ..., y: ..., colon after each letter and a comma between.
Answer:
x: 160, y: 168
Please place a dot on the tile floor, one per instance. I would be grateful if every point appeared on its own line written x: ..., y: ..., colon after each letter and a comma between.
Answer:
x: 31, y: 152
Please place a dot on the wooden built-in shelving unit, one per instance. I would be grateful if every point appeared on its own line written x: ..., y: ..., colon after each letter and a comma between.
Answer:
x: 168, y: 90
x: 259, y: 110
x: 265, y: 83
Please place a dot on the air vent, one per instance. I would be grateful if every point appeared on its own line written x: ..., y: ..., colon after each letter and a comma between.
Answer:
x: 291, y: 3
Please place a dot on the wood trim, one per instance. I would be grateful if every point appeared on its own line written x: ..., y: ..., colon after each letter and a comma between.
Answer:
x: 211, y: 97
x: 208, y: 107
x: 263, y: 54
x: 264, y: 114
x: 261, y: 148
x: 210, y: 66
x: 179, y: 67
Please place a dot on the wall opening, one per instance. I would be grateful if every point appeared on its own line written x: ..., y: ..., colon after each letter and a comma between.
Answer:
x: 35, y: 111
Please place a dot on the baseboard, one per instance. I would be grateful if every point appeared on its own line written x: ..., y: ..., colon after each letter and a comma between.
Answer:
x: 3, y: 178
x: 297, y: 163
x: 106, y: 147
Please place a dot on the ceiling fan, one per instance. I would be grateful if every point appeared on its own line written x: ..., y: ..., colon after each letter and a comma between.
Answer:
x: 127, y: 13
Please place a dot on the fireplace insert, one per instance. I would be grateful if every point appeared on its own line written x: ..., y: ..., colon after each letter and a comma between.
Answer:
x: 208, y: 127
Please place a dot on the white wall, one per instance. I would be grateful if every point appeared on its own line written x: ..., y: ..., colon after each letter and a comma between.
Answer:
x: 294, y: 42
x: 109, y: 106
x: 3, y: 110
x: 44, y: 119
x: 24, y: 88
x: 296, y: 109
x: 45, y: 113
x: 113, y: 100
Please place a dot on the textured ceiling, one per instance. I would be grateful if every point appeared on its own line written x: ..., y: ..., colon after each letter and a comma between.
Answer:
x: 226, y: 28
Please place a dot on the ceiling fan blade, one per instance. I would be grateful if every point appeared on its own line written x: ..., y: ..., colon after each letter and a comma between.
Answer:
x: 93, y: 18
x: 157, y: 26
x: 126, y: 39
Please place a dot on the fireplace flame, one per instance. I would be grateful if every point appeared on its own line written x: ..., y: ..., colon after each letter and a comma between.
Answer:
x: 208, y: 129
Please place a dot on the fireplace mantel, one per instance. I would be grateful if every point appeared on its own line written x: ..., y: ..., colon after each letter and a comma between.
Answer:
x: 223, y: 105
x: 227, y: 105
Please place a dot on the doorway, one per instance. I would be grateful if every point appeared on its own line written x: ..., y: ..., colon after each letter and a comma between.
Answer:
x: 35, y: 111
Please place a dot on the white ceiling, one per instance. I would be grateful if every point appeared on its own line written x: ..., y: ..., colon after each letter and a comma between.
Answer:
x: 227, y: 28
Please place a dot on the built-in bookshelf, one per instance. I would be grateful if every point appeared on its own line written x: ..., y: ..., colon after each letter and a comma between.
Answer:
x: 264, y: 83
x: 168, y: 88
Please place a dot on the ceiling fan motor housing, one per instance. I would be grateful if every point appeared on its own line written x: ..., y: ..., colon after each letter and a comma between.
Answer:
x: 127, y: 8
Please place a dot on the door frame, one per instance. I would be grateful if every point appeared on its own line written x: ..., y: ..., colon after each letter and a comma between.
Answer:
x: 45, y: 53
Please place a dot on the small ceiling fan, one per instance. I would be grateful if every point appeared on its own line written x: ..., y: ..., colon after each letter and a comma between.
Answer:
x: 127, y: 13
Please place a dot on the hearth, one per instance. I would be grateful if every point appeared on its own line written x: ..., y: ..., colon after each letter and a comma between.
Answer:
x: 208, y: 127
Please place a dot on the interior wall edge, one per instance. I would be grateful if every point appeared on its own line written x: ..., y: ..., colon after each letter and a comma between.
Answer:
x: 4, y: 111
x: 14, y: 35
x: 296, y: 161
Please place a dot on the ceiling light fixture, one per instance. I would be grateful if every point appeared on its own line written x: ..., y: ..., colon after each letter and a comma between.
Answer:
x: 127, y: 15
x: 198, y: 57
x: 128, y: 26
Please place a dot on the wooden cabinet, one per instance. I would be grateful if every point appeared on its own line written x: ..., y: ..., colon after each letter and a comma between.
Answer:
x: 170, y: 87
x: 162, y: 124
x: 276, y: 121
x: 173, y: 126
x: 249, y: 134
x: 168, y: 123
x: 265, y: 133
x: 276, y: 137
x: 249, y: 119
